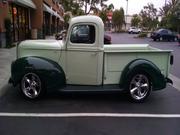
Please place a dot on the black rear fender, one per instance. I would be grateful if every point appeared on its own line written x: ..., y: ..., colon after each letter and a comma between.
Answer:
x: 49, y: 71
x: 141, y: 65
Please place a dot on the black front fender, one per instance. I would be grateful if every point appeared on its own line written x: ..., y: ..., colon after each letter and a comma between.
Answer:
x: 49, y: 71
x: 142, y: 65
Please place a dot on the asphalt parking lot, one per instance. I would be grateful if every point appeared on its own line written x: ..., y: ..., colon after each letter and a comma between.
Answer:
x: 95, y: 114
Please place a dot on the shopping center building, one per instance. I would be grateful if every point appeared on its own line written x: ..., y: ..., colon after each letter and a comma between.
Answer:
x: 30, y: 19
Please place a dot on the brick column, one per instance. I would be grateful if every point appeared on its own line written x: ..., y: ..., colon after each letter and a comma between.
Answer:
x: 37, y: 18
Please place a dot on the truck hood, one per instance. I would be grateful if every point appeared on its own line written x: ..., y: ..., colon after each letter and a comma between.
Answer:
x: 42, y: 44
x: 126, y: 47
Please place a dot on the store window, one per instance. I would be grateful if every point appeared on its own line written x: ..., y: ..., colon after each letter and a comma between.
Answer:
x: 20, y: 22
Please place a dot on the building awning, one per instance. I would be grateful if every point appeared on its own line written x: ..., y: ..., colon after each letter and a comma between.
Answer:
x: 27, y: 3
x: 58, y: 16
x: 47, y: 9
x: 61, y: 18
x: 52, y: 12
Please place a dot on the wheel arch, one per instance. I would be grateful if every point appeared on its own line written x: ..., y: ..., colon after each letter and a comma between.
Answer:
x: 142, y: 65
x: 49, y: 71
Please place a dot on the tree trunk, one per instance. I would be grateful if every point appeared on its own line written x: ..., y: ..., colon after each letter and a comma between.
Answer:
x: 85, y: 8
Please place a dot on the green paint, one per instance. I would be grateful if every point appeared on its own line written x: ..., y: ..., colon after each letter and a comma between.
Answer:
x: 142, y: 65
x: 49, y: 71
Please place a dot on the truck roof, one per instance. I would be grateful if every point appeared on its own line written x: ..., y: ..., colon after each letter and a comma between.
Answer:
x: 87, y: 18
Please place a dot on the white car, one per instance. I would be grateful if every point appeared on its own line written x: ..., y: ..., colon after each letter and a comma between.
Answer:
x: 133, y: 30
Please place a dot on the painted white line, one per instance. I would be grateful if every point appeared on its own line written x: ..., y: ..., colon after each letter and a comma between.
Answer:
x: 71, y: 115
x: 176, y: 81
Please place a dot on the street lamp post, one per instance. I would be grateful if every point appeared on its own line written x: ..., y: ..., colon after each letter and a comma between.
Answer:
x: 126, y: 15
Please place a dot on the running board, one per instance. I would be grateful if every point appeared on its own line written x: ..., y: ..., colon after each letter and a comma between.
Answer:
x: 80, y: 88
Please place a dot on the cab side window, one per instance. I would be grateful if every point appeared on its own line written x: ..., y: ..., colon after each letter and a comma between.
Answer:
x: 83, y: 34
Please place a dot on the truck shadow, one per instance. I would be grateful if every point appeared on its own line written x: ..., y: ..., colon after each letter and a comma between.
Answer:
x: 8, y: 92
x: 57, y: 102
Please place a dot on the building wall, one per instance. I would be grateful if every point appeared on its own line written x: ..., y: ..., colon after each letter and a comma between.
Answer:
x: 128, y: 19
x: 3, y: 14
x: 37, y: 15
x: 36, y: 18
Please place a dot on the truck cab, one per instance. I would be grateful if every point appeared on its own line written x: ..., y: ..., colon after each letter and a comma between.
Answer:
x: 84, y: 51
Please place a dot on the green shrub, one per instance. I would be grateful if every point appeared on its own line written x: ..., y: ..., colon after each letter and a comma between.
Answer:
x: 142, y: 35
x: 7, y: 23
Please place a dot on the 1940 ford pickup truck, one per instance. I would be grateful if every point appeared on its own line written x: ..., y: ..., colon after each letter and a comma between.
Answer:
x: 82, y: 62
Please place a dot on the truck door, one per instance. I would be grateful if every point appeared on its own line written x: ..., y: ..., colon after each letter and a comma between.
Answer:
x: 84, y: 58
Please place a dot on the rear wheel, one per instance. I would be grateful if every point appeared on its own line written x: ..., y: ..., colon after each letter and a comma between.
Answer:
x: 31, y: 86
x: 139, y: 87
x: 175, y: 39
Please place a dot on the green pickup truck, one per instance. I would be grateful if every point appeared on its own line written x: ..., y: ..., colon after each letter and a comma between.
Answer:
x: 81, y: 62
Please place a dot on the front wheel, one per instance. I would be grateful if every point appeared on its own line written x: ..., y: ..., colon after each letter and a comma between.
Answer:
x: 139, y: 87
x: 31, y: 86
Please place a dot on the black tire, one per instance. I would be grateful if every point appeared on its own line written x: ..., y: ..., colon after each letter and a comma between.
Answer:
x: 154, y: 39
x: 161, y: 39
x: 32, y: 86
x: 175, y: 39
x: 139, y: 89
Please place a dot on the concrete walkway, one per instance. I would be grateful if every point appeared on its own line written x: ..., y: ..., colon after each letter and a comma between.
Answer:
x: 50, y: 37
x: 6, y: 58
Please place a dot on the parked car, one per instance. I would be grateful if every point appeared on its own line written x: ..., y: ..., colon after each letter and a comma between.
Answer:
x: 179, y: 38
x: 60, y: 35
x: 107, y: 39
x: 134, y: 30
x: 164, y: 34
x: 83, y: 63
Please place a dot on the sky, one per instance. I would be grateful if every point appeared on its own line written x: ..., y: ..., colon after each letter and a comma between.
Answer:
x: 135, y: 6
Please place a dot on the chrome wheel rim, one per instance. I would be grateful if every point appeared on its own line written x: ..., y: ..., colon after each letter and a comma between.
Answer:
x: 139, y: 87
x: 31, y: 85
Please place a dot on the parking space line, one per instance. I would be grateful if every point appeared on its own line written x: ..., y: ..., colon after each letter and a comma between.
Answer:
x: 176, y: 81
x: 72, y: 115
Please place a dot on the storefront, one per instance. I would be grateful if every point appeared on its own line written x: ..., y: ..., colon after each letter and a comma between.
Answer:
x: 20, y: 18
x: 20, y: 22
x: 53, y: 25
x: 29, y: 19
x: 51, y: 20
x: 46, y: 26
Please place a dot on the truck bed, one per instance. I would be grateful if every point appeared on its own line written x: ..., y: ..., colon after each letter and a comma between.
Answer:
x: 114, y: 63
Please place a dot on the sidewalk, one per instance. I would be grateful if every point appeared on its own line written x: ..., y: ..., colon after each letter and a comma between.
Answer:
x: 6, y: 57
x: 50, y: 37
